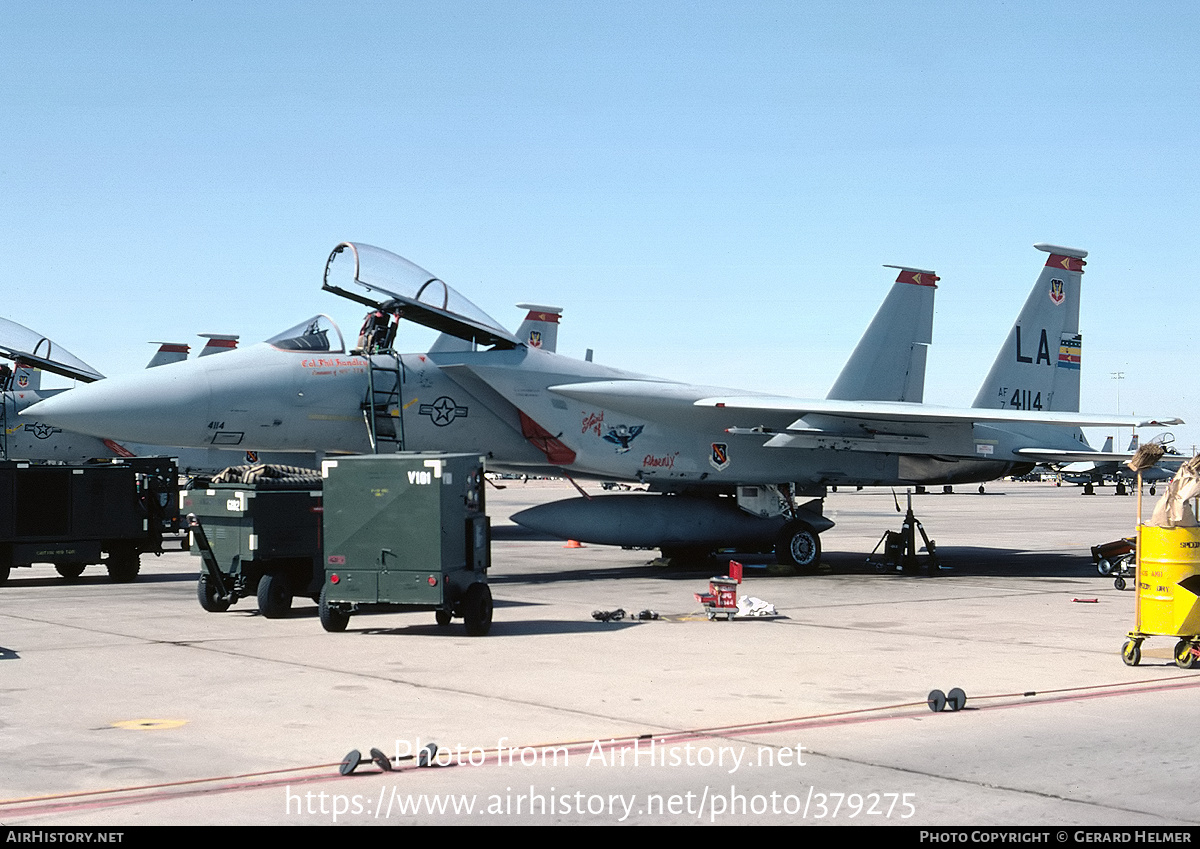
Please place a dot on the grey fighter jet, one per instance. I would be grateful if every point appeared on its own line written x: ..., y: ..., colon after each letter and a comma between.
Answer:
x: 26, y: 437
x: 724, y: 467
x: 30, y: 354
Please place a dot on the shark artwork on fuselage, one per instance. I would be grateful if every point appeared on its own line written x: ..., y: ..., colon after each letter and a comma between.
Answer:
x: 724, y: 467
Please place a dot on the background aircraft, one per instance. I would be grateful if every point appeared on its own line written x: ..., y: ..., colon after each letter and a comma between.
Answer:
x: 29, y: 438
x: 725, y: 467
x: 1089, y: 475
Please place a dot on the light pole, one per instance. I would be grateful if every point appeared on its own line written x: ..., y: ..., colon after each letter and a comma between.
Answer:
x: 1118, y: 376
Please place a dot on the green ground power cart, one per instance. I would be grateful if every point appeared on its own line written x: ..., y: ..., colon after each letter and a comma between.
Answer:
x: 406, y: 530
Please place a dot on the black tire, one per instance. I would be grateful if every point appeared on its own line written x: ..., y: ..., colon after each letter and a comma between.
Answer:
x: 333, y: 619
x: 1184, y: 658
x: 956, y: 699
x: 936, y: 700
x: 477, y: 610
x: 69, y: 571
x: 1119, y: 582
x: 274, y: 596
x: 443, y: 617
x: 209, y: 596
x: 798, y: 545
x: 123, y: 566
x: 1131, y: 652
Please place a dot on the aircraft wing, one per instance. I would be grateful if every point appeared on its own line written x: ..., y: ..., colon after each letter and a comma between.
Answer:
x: 862, y: 425
x: 886, y: 411
x: 634, y: 395
x: 20, y: 344
x: 412, y: 292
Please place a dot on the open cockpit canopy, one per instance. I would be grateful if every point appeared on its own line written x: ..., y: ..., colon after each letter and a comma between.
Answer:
x: 22, y: 345
x: 319, y: 333
x: 412, y: 292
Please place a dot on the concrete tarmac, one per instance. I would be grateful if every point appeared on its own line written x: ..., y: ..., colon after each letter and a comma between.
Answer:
x: 127, y: 704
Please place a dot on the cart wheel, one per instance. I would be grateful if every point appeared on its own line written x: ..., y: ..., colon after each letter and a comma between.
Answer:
x: 69, y: 571
x: 123, y: 566
x: 333, y: 619
x: 1119, y: 582
x: 1184, y: 658
x: 1104, y: 567
x: 956, y: 699
x: 274, y: 596
x: 209, y: 599
x: 936, y: 700
x: 350, y: 762
x: 1131, y: 652
x: 443, y: 617
x: 477, y: 609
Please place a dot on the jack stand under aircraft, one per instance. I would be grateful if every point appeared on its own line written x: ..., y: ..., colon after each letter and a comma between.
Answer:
x: 900, y: 547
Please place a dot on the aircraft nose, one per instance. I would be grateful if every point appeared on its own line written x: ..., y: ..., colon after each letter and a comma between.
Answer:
x: 147, y: 407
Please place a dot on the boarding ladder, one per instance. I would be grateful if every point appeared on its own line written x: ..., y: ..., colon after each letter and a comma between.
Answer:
x: 4, y: 394
x: 381, y: 407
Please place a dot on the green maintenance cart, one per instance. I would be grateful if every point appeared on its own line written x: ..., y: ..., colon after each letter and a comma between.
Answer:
x: 406, y: 531
x: 257, y: 530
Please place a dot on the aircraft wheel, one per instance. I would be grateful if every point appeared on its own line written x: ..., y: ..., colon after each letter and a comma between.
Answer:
x: 69, y: 571
x: 274, y: 596
x: 333, y: 619
x: 443, y: 617
x: 1151, y: 490
x: 1131, y: 652
x: 1184, y: 658
x: 477, y: 609
x: 123, y: 566
x: 207, y: 594
x: 798, y: 545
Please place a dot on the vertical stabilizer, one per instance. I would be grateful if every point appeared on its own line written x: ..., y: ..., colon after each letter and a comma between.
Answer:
x: 889, y: 362
x: 540, y: 327
x: 1038, y: 366
x: 168, y: 352
x: 26, y: 378
x: 218, y: 343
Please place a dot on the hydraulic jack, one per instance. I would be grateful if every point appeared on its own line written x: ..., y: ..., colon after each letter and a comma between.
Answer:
x: 900, y: 552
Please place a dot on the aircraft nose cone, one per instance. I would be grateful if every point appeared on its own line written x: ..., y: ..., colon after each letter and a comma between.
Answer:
x: 146, y: 407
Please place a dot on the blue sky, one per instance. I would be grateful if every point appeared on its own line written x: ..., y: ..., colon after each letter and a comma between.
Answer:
x: 709, y: 189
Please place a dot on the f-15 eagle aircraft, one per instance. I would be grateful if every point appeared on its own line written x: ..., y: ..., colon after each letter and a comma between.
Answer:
x: 725, y: 467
